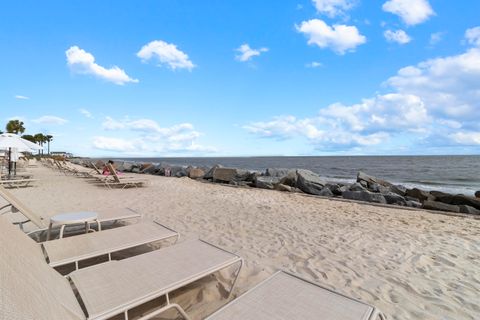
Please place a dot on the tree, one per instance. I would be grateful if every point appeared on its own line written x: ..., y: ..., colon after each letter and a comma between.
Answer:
x: 40, y: 139
x: 29, y: 137
x: 48, y: 139
x: 15, y: 126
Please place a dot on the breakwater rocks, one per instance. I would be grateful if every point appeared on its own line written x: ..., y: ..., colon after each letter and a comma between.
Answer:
x: 366, y: 188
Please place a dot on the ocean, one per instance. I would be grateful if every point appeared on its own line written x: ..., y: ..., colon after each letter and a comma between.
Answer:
x: 452, y: 174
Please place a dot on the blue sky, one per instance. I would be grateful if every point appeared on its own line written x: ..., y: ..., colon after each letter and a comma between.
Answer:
x: 242, y: 78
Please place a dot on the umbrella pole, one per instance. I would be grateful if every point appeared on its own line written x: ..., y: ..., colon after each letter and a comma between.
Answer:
x: 9, y: 161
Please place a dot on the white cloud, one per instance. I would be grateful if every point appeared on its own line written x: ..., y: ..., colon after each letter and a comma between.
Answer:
x: 365, y: 124
x: 333, y: 8
x: 83, y: 62
x: 449, y: 85
x: 466, y: 138
x: 20, y: 97
x: 398, y: 36
x: 314, y: 64
x: 50, y: 120
x: 151, y: 137
x: 114, y: 144
x: 86, y: 113
x: 166, y: 54
x: 412, y: 12
x: 246, y: 53
x: 340, y: 38
x: 112, y: 124
x: 473, y: 36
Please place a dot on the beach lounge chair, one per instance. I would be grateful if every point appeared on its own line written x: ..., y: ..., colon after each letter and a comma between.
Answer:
x: 31, y: 289
x: 71, y: 250
x: 17, y: 183
x: 121, y: 182
x: 285, y: 296
x: 41, y: 222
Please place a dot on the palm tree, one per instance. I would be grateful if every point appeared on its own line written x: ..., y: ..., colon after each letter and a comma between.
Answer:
x: 40, y: 139
x: 48, y: 139
x: 15, y: 126
x: 29, y: 137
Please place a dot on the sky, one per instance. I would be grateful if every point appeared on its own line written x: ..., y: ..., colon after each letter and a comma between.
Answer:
x: 177, y: 78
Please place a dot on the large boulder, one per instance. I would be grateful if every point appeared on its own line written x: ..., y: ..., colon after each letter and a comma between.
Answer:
x: 126, y: 166
x: 290, y: 179
x: 469, y: 210
x: 364, y: 196
x: 420, y: 194
x: 458, y: 199
x: 413, y: 204
x: 309, y: 182
x: 378, y: 188
x: 336, y: 188
x: 209, y: 173
x: 178, y: 171
x: 153, y: 169
x: 393, y: 198
x: 357, y: 187
x: 266, y: 182
x: 196, y: 173
x: 278, y: 172
x: 398, y: 189
x: 370, y: 180
x: 99, y: 164
x: 325, y: 192
x: 231, y: 175
x: 439, y: 206
x: 284, y: 187
x: 477, y: 194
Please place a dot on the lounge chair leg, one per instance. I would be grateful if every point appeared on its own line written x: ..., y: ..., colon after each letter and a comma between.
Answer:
x: 49, y: 231
x: 62, y: 228
x: 161, y: 310
x: 236, y: 277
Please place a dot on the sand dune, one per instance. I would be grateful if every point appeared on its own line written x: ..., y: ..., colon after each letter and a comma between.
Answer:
x: 410, y: 264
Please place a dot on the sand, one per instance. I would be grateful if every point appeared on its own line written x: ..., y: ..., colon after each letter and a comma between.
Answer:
x: 410, y: 264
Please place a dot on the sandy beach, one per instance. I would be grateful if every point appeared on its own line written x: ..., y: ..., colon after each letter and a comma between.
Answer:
x: 410, y: 264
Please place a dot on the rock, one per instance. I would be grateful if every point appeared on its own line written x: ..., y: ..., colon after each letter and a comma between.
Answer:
x: 209, y: 174
x: 364, y: 196
x: 279, y: 172
x: 413, y: 204
x: 362, y: 176
x: 127, y: 166
x: 357, y: 187
x: 458, y: 199
x: 99, y: 164
x: 178, y: 171
x: 419, y: 194
x: 375, y: 187
x: 224, y: 174
x: 284, y: 187
x: 135, y: 170
x: 266, y: 182
x: 364, y: 184
x: 439, y: 206
x: 290, y: 179
x: 393, y: 198
x: 144, y: 166
x: 469, y: 210
x: 336, y: 189
x: 151, y: 170
x: 325, y: 192
x: 408, y: 198
x: 196, y: 173
x: 398, y: 189
x: 309, y: 182
x: 477, y: 194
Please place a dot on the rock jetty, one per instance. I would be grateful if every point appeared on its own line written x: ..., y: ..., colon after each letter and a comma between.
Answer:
x: 367, y: 188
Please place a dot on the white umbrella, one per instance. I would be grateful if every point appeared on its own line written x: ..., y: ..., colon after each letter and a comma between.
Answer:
x: 10, y: 140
